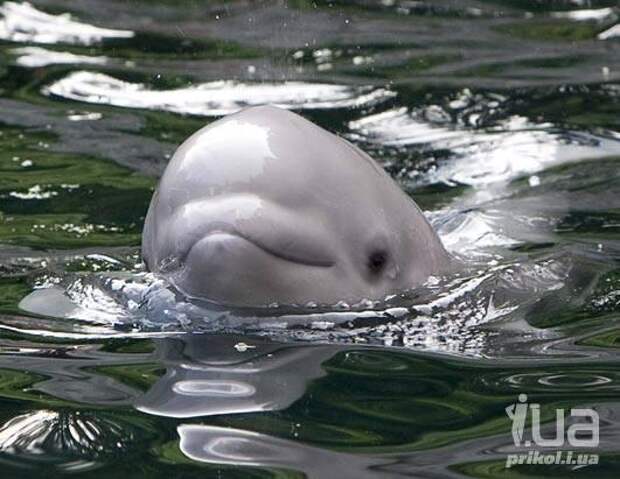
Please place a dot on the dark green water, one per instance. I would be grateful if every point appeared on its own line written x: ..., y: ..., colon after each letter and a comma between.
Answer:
x: 501, y: 119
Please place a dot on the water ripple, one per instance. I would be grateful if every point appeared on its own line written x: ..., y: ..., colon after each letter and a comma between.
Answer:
x: 515, y: 146
x: 36, y: 57
x: 69, y: 441
x: 24, y: 23
x: 212, y: 98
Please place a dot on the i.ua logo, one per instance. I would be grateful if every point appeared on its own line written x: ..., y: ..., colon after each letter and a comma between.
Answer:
x: 583, y: 433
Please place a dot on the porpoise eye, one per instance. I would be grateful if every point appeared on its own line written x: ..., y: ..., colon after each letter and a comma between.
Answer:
x: 377, y: 261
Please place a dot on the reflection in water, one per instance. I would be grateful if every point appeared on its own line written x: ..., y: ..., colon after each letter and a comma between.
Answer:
x: 206, y: 375
x: 479, y: 157
x: 596, y: 14
x: 217, y: 445
x: 214, y: 98
x: 65, y: 373
x: 26, y: 432
x: 22, y: 22
x: 36, y: 57
x: 70, y: 441
x: 613, y: 32
x: 428, y: 412
x: 465, y: 396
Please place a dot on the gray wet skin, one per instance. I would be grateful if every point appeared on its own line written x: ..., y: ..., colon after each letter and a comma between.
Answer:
x: 265, y: 207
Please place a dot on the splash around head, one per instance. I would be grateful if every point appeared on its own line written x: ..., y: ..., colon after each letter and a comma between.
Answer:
x: 265, y: 207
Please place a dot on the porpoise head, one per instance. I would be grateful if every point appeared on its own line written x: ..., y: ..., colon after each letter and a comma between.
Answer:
x: 265, y: 207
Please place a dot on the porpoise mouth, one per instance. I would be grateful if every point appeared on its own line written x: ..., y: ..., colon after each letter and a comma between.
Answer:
x: 286, y: 254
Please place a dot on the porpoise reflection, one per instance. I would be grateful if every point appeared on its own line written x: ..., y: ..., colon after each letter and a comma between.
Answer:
x: 265, y: 207
x: 220, y: 445
x: 220, y: 374
x: 207, y: 375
